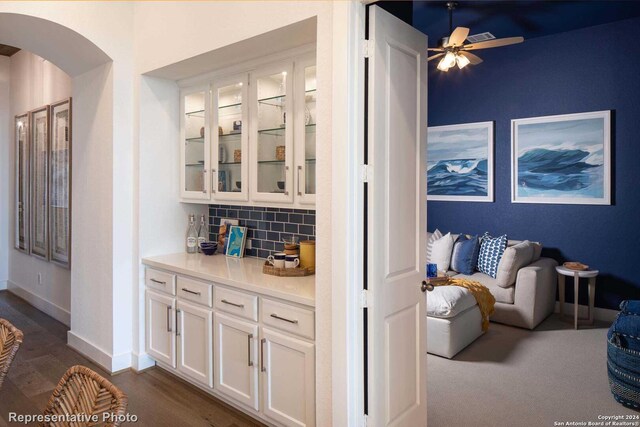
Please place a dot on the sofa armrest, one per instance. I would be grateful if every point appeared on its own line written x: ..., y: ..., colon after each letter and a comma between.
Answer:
x: 535, y: 292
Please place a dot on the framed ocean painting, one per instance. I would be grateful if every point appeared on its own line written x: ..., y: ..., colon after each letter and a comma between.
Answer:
x: 460, y: 162
x: 563, y: 159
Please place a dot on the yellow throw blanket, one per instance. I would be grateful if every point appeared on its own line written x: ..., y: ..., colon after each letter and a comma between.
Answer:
x: 486, y: 301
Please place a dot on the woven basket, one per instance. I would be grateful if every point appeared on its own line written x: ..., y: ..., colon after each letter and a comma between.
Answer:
x: 10, y: 340
x: 287, y: 272
x: 237, y: 156
x: 280, y: 152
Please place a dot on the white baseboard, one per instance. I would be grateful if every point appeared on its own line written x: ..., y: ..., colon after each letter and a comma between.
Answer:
x: 111, y: 363
x: 3, y: 285
x: 142, y: 361
x: 603, y: 314
x: 53, y: 310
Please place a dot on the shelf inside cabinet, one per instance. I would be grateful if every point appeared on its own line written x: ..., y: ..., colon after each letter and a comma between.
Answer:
x: 271, y: 162
x: 273, y: 131
x: 198, y: 139
x: 229, y: 135
x: 195, y: 164
x: 197, y: 113
x: 229, y: 163
x: 274, y: 101
x: 230, y: 105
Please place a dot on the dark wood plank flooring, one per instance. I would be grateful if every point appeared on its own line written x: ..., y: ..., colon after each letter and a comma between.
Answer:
x: 157, y: 398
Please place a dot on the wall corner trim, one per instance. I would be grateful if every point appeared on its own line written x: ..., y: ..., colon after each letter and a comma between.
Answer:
x: 111, y: 363
x: 3, y: 285
x: 53, y: 310
x: 141, y: 361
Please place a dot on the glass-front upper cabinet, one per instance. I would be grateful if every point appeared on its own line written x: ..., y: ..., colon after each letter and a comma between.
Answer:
x: 230, y: 152
x: 305, y: 140
x: 272, y: 143
x: 195, y: 152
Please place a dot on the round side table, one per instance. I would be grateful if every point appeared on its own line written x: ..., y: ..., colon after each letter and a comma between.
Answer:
x: 577, y: 275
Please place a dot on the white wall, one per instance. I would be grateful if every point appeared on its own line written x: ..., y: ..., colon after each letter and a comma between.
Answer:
x: 102, y: 239
x: 6, y: 140
x: 36, y: 82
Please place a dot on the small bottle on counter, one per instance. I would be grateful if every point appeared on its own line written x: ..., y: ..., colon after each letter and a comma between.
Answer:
x: 202, y: 233
x: 192, y: 235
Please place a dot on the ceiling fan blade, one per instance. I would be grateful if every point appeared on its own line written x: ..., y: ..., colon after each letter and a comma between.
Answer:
x: 473, y: 59
x: 493, y: 43
x: 435, y: 56
x: 458, y: 37
x: 436, y: 49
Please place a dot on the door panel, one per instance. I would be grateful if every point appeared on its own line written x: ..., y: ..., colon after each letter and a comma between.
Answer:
x: 161, y: 344
x: 236, y: 359
x: 193, y: 329
x: 288, y: 382
x: 397, y: 222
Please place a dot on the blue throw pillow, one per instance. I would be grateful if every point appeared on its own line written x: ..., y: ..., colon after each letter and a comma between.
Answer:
x: 465, y: 255
x: 491, y: 250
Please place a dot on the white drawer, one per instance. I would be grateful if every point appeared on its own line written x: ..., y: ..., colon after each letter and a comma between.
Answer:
x: 288, y: 318
x: 193, y: 290
x: 156, y: 279
x: 238, y: 303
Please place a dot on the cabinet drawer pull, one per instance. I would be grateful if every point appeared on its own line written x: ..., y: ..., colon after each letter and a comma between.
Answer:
x: 249, y: 338
x: 275, y: 316
x: 299, y: 182
x: 232, y: 303
x: 159, y: 282
x: 177, y: 319
x: 191, y: 292
x: 168, y: 318
x: 262, y: 341
x: 213, y: 175
x: 204, y: 181
x: 286, y: 187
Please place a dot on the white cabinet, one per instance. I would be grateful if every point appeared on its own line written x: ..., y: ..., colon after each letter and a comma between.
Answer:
x: 236, y: 359
x: 250, y: 137
x: 230, y: 139
x: 193, y: 333
x: 161, y: 343
x: 255, y: 352
x: 195, y: 143
x: 288, y: 383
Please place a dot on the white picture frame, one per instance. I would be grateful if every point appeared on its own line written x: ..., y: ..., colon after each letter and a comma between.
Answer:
x: 460, y: 162
x: 562, y: 159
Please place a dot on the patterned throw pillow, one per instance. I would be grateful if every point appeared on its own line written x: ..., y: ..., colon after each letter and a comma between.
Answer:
x: 491, y: 250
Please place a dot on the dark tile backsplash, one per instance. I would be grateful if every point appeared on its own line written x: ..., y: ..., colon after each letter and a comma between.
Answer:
x: 266, y: 226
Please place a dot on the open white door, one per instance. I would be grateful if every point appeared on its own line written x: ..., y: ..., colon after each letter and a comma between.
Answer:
x: 396, y: 229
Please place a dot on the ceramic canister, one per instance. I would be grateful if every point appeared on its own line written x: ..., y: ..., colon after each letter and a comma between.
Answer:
x: 308, y: 254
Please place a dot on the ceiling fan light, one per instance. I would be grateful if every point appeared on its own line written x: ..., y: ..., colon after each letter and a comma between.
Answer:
x: 447, y: 62
x: 462, y: 61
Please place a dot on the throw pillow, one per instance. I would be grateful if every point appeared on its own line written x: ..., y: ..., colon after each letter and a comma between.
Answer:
x: 465, y: 254
x: 431, y: 238
x: 514, y: 258
x: 441, y: 252
x: 537, y: 251
x: 491, y: 250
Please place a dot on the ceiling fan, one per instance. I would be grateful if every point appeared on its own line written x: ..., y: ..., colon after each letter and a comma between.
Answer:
x: 453, y: 50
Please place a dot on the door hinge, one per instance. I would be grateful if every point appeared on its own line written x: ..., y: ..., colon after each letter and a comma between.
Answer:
x: 364, y: 298
x: 367, y: 48
x: 364, y: 173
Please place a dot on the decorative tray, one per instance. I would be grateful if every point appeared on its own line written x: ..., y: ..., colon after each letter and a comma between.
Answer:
x: 287, y: 272
x: 578, y: 266
x: 438, y: 280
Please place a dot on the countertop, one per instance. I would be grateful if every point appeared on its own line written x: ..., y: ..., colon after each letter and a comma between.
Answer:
x: 242, y: 273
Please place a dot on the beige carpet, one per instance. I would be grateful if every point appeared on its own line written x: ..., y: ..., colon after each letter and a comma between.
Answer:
x: 516, y: 377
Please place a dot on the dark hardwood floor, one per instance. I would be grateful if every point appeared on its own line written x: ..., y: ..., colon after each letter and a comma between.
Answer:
x: 155, y: 397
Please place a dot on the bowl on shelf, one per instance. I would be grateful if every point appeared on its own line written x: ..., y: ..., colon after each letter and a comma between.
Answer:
x: 281, y: 185
x: 209, y: 248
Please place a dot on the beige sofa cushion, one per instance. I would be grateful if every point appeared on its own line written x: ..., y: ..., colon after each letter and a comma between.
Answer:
x: 505, y: 295
x: 514, y: 258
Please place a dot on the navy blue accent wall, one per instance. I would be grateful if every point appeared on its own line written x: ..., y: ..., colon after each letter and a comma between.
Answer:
x: 592, y: 69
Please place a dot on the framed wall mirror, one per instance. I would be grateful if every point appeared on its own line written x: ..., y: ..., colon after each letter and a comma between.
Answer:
x: 39, y: 150
x: 22, y: 182
x: 59, y: 197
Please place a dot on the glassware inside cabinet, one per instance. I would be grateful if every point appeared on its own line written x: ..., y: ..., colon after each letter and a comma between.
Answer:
x: 272, y: 123
x: 310, y: 129
x: 230, y: 130
x: 194, y: 134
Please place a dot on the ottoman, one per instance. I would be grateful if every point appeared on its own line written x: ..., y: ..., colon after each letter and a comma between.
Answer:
x: 623, y: 355
x: 453, y: 320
